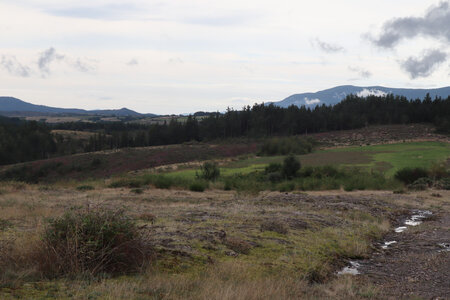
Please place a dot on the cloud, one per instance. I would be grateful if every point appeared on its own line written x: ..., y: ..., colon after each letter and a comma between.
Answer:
x: 424, y: 65
x: 102, y: 12
x: 311, y: 101
x: 133, y: 62
x: 327, y: 47
x: 371, y: 92
x: 14, y: 67
x: 361, y: 72
x: 435, y: 23
x: 82, y: 66
x: 46, y: 58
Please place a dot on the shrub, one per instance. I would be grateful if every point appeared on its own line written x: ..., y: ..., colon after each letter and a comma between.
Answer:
x: 91, y: 243
x: 275, y: 177
x: 286, y: 145
x: 286, y: 187
x: 439, y: 171
x: 325, y: 171
x: 96, y: 162
x: 443, y: 184
x: 85, y: 188
x: 163, y: 182
x: 290, y: 166
x: 209, y: 171
x: 272, y: 168
x: 137, y: 191
x: 4, y: 224
x: 198, y: 186
x: 306, y: 172
x: 130, y: 183
x: 409, y: 175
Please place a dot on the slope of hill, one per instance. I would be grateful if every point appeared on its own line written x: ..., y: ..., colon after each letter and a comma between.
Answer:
x: 10, y: 104
x: 336, y: 94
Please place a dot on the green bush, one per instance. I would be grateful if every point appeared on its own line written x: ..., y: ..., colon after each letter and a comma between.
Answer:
x: 285, y: 146
x: 272, y: 168
x: 91, y: 243
x: 209, y: 171
x: 163, y: 182
x: 198, y: 186
x: 286, y: 187
x: 325, y: 171
x: 85, y: 188
x: 290, y: 166
x: 127, y: 182
x: 275, y: 177
x: 409, y: 175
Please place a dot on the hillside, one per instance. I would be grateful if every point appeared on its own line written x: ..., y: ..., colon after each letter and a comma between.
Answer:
x: 336, y: 94
x: 10, y: 105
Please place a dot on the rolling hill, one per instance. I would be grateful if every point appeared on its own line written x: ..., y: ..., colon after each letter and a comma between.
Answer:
x: 10, y: 105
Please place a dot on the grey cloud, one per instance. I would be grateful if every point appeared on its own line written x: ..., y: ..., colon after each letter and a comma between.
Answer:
x: 361, y: 72
x: 133, y: 62
x: 46, y: 58
x: 82, y: 66
x: 435, y: 23
x: 14, y: 67
x: 425, y: 65
x: 327, y: 47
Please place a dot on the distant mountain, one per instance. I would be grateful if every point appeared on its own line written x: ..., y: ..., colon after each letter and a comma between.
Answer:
x: 9, y: 105
x: 336, y: 94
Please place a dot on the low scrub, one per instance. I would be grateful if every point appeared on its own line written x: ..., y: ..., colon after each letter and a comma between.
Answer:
x: 286, y: 145
x: 209, y: 171
x: 92, y: 243
x: 409, y: 175
x: 198, y: 186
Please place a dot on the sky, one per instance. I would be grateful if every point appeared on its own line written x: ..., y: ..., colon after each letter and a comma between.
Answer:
x: 182, y: 56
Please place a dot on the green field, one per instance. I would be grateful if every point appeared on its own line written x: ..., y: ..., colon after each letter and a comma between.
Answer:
x: 386, y: 158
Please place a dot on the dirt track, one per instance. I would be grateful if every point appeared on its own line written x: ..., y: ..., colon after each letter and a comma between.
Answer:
x: 418, y: 265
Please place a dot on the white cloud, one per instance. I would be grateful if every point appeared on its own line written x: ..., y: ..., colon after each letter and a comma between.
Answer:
x: 311, y: 101
x: 371, y: 92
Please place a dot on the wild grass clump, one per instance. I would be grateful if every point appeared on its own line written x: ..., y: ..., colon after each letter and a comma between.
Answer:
x: 96, y: 242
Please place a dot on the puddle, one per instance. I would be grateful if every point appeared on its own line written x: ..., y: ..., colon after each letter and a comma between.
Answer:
x: 400, y: 229
x: 415, y: 220
x: 445, y: 247
x: 352, y: 269
x: 387, y: 244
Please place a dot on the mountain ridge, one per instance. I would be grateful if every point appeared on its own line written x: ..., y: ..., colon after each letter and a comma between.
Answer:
x: 10, y: 105
x: 336, y: 94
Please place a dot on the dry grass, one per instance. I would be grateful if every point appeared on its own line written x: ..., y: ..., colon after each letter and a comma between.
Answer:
x: 193, y: 232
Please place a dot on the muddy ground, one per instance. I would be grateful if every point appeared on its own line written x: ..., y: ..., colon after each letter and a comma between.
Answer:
x: 418, y: 265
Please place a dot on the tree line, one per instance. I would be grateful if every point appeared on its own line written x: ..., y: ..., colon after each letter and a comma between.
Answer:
x: 22, y: 141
